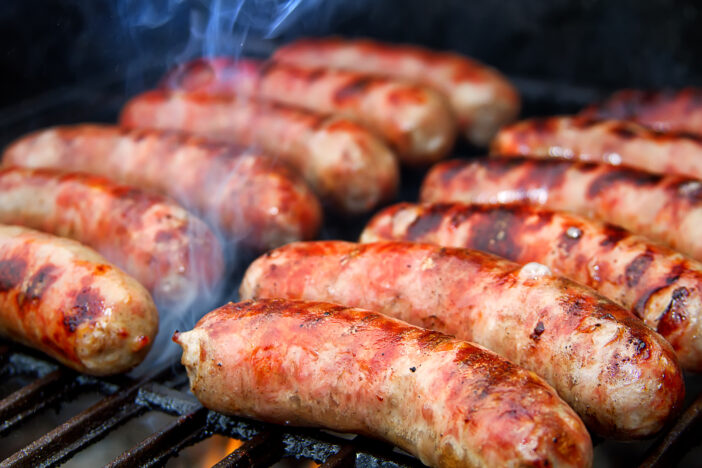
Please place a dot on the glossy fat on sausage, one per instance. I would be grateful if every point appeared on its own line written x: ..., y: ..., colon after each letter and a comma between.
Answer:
x: 168, y: 250
x: 480, y: 97
x: 666, y: 209
x: 449, y: 402
x: 350, y: 168
x: 246, y: 195
x: 668, y: 110
x: 415, y: 120
x: 659, y: 285
x: 609, y: 141
x: 64, y: 299
x: 621, y: 377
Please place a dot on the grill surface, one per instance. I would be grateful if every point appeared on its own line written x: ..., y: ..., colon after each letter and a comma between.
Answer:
x: 123, y: 398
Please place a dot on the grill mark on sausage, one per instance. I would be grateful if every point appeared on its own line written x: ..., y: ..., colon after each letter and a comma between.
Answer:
x: 623, y: 130
x: 640, y: 305
x: 545, y: 174
x: 12, y: 272
x: 613, y: 235
x: 450, y: 169
x: 41, y: 281
x: 637, y: 267
x: 426, y: 222
x: 87, y: 305
x: 496, y: 231
x: 620, y: 176
x: 675, y: 314
x: 355, y: 86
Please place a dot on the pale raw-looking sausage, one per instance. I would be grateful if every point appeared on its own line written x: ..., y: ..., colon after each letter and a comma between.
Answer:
x: 621, y: 377
x: 449, y: 402
x: 661, y: 286
x: 415, y: 120
x: 246, y: 195
x: 350, y: 168
x: 171, y: 252
x: 480, y: 97
x: 64, y: 299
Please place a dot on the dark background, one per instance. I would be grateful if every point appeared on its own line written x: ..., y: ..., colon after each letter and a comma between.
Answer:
x: 47, y: 44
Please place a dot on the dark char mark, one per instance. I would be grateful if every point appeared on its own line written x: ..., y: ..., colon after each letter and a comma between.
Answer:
x: 496, y: 231
x: 11, y: 273
x: 620, y: 176
x: 675, y: 314
x: 88, y: 304
x: 613, y: 234
x: 427, y: 222
x: 638, y: 266
x: 354, y: 87
x: 41, y: 281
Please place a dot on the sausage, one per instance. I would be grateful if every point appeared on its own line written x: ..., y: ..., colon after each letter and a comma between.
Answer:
x: 621, y: 377
x: 64, y: 299
x: 659, y: 285
x: 669, y: 110
x: 666, y: 209
x: 171, y: 252
x: 610, y: 141
x: 481, y: 98
x: 350, y: 168
x: 415, y: 120
x: 245, y: 194
x: 449, y: 402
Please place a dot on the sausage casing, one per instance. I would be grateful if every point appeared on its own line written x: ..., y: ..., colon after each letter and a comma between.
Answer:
x: 659, y: 285
x: 449, y: 402
x: 350, y: 168
x: 168, y: 250
x: 620, y: 376
x: 669, y: 110
x: 480, y: 97
x: 415, y: 120
x: 63, y: 298
x: 247, y: 195
x: 609, y: 141
x: 666, y: 209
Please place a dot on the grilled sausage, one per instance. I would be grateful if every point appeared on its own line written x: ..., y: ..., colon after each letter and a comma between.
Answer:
x: 620, y: 376
x: 415, y: 120
x: 64, y: 299
x: 666, y: 209
x: 351, y: 169
x: 246, y: 195
x: 659, y: 285
x: 480, y: 97
x: 609, y: 141
x: 678, y: 111
x: 171, y: 252
x: 449, y: 402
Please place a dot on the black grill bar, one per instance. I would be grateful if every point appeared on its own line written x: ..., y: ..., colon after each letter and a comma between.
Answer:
x: 344, y: 458
x: 156, y: 449
x: 261, y: 451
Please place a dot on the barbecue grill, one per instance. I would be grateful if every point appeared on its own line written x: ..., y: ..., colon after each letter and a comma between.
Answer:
x: 34, y: 386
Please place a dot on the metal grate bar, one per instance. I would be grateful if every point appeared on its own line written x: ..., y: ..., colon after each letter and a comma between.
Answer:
x: 30, y: 399
x: 677, y: 442
x: 157, y: 448
x: 344, y: 458
x: 83, y: 429
x: 259, y: 452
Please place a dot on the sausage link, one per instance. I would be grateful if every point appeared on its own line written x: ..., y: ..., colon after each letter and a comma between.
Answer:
x: 416, y: 121
x: 610, y: 141
x: 621, y: 377
x: 64, y: 299
x: 350, y: 168
x: 246, y: 195
x: 677, y: 111
x: 449, y: 402
x: 171, y: 252
x: 480, y: 97
x: 666, y: 209
x: 659, y: 285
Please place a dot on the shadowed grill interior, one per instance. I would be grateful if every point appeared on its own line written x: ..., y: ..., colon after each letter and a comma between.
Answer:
x: 122, y: 399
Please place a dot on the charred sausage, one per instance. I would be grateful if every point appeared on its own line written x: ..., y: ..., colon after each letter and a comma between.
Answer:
x: 678, y: 111
x: 659, y: 285
x: 64, y: 299
x: 245, y: 194
x: 351, y: 169
x: 449, y: 402
x: 416, y: 121
x: 621, y: 377
x: 480, y: 97
x: 666, y: 209
x: 609, y: 141
x: 171, y: 252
